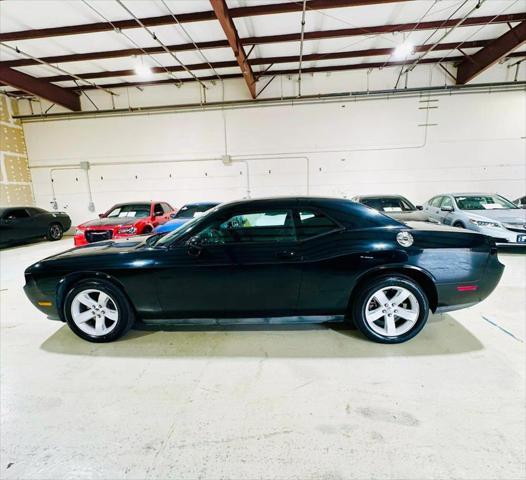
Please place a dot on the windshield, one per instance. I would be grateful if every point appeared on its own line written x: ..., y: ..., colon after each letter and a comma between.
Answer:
x: 386, y: 204
x: 191, y: 211
x: 186, y: 228
x: 137, y: 210
x: 483, y: 202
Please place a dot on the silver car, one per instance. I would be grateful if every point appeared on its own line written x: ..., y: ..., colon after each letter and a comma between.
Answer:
x: 487, y: 213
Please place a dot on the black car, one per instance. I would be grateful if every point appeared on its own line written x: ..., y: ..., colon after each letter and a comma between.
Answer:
x: 396, y: 206
x: 311, y: 258
x: 21, y: 224
x: 520, y: 202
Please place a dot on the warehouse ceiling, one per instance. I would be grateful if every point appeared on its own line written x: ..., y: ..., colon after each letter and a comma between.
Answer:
x: 54, y: 49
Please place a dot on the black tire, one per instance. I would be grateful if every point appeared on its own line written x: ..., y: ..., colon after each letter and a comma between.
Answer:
x: 54, y: 232
x: 364, y: 294
x: 147, y: 230
x: 126, y: 314
x: 459, y: 225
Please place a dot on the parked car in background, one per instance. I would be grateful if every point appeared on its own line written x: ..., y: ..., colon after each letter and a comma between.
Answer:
x: 314, y: 259
x: 487, y: 213
x: 520, y: 202
x: 21, y: 224
x: 396, y: 206
x: 124, y: 220
x: 185, y: 213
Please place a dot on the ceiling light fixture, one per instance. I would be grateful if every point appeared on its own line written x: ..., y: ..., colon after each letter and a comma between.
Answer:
x: 142, y: 70
x: 404, y: 50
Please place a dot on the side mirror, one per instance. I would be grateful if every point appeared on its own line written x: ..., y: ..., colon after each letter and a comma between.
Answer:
x: 173, y: 215
x: 447, y: 208
x: 194, y: 246
x: 419, y: 207
x: 101, y: 215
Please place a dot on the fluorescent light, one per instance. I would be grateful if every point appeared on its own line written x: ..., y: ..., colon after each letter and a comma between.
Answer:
x: 404, y: 50
x: 143, y: 70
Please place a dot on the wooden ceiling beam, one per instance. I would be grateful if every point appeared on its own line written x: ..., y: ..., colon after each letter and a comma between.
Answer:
x: 40, y: 88
x: 491, y: 53
x: 240, y: 12
x: 227, y: 24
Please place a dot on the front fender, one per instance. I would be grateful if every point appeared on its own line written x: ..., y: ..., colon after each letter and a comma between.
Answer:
x: 66, y: 281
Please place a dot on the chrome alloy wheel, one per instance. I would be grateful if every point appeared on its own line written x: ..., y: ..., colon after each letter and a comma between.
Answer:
x: 55, y: 232
x: 94, y: 312
x: 392, y: 311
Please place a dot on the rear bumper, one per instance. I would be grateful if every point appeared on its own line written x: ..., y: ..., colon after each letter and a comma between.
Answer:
x: 455, y: 296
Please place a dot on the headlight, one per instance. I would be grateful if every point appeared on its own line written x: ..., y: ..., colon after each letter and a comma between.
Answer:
x: 127, y: 230
x: 482, y: 223
x: 78, y: 231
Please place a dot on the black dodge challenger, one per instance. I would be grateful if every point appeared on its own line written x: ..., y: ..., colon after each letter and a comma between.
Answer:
x: 23, y: 224
x: 309, y: 259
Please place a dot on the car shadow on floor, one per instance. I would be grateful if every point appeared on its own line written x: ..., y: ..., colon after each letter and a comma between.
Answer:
x: 442, y: 336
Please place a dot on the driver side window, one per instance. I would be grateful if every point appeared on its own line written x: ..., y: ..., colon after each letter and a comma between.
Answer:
x: 158, y: 210
x: 447, y: 202
x: 261, y: 226
x: 16, y: 214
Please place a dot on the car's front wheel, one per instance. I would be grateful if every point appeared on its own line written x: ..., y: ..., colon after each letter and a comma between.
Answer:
x: 390, y: 309
x: 98, y: 311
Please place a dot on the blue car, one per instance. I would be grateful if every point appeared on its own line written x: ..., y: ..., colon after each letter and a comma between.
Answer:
x: 185, y: 214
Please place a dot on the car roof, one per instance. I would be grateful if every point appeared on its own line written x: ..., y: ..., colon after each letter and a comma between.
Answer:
x: 361, y: 197
x: 341, y: 209
x: 140, y: 202
x: 200, y: 203
x: 289, y: 200
x: 465, y: 194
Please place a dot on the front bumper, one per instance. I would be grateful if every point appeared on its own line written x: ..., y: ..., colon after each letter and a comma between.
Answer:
x: 80, y: 240
x: 43, y: 300
x: 502, y: 235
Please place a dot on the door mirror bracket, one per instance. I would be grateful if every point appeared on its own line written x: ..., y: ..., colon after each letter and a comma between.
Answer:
x: 194, y: 246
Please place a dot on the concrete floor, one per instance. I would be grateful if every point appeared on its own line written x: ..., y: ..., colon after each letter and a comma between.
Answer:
x: 275, y: 403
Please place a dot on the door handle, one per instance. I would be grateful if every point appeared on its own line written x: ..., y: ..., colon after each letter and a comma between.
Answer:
x: 286, y: 254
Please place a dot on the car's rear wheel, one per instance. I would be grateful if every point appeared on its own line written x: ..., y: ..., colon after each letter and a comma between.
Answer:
x: 54, y: 232
x: 390, y: 309
x: 98, y: 311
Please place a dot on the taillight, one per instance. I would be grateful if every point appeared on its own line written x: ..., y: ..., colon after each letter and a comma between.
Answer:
x: 467, y: 288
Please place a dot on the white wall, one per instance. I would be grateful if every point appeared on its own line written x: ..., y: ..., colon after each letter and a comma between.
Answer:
x: 474, y: 142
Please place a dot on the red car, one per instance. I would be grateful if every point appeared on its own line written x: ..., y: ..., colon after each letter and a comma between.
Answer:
x: 124, y: 220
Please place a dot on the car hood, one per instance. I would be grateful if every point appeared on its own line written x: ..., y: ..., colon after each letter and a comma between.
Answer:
x: 177, y: 222
x: 514, y: 216
x: 104, y: 247
x: 412, y: 216
x: 111, y: 222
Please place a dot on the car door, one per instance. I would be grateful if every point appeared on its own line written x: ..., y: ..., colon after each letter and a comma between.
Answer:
x: 17, y: 225
x: 159, y: 214
x: 432, y: 209
x: 447, y: 216
x: 40, y: 221
x: 243, y: 264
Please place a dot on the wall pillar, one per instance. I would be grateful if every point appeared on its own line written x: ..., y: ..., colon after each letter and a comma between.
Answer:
x: 15, y: 177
